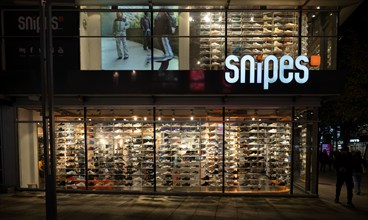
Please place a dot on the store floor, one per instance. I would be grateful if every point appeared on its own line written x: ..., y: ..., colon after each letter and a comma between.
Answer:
x: 30, y: 205
x: 136, y: 60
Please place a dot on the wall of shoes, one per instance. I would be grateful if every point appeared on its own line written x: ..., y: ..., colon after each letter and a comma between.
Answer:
x: 212, y: 44
x: 70, y: 155
x: 258, y: 156
x: 189, y: 156
x: 120, y: 156
x: 303, y: 152
x: 251, y: 33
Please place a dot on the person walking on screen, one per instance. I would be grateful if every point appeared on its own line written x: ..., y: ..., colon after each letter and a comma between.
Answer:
x: 119, y: 28
x: 164, y: 25
x: 146, y: 28
x: 344, y: 174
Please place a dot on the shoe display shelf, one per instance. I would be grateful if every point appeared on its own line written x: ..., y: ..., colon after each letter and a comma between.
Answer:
x: 211, y: 156
x: 278, y: 160
x: 303, y: 152
x: 189, y: 156
x: 257, y: 156
x: 70, y: 155
x: 232, y: 157
x: 263, y: 33
x: 120, y: 156
x: 212, y: 44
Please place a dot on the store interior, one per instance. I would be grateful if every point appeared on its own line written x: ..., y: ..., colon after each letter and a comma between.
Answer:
x: 167, y: 150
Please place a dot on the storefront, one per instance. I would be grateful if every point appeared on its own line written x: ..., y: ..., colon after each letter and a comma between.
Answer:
x: 226, y: 101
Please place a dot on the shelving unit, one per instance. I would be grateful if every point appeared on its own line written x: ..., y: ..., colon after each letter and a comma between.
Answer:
x: 189, y: 156
x: 120, y: 156
x: 262, y: 161
x: 70, y: 155
x: 256, y: 33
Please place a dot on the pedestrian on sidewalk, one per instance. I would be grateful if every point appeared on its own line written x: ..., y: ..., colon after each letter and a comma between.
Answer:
x: 323, y: 160
x: 344, y: 174
x: 358, y: 166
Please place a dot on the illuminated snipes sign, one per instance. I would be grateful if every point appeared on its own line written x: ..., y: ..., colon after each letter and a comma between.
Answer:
x: 296, y: 70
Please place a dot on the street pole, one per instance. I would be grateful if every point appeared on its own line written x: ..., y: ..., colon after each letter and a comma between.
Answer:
x: 48, y: 108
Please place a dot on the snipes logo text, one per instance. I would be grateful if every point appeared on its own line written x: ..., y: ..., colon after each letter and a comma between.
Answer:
x: 296, y: 70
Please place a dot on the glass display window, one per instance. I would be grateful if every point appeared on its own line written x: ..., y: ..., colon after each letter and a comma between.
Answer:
x: 189, y: 150
x: 120, y: 149
x: 187, y: 40
x: 304, y: 152
x: 258, y: 150
x: 234, y: 150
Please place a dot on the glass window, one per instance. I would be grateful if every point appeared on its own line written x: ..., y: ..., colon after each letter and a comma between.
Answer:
x: 70, y: 149
x: 189, y: 150
x: 258, y: 150
x: 30, y: 143
x: 303, y: 150
x: 172, y: 40
x: 319, y: 37
x: 120, y: 149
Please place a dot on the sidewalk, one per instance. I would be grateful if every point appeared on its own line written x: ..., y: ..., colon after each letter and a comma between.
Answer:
x: 327, y: 183
x: 30, y: 205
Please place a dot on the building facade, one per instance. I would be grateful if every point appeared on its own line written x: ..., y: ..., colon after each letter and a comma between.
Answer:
x: 157, y: 97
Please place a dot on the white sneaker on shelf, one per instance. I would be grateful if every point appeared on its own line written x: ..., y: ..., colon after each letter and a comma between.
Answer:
x: 266, y: 18
x: 278, y: 31
x: 290, y: 25
x: 265, y: 30
x: 277, y: 44
x: 277, y: 50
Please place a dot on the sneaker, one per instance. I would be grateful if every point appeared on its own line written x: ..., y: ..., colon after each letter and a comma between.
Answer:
x: 278, y: 31
x: 206, y: 177
x: 290, y: 25
x: 277, y: 50
x: 256, y: 44
x: 215, y: 57
x: 266, y: 18
x: 81, y: 184
x: 265, y: 30
x: 288, y: 32
x: 216, y: 51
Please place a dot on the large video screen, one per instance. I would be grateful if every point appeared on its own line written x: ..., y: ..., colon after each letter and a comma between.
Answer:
x: 122, y: 40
